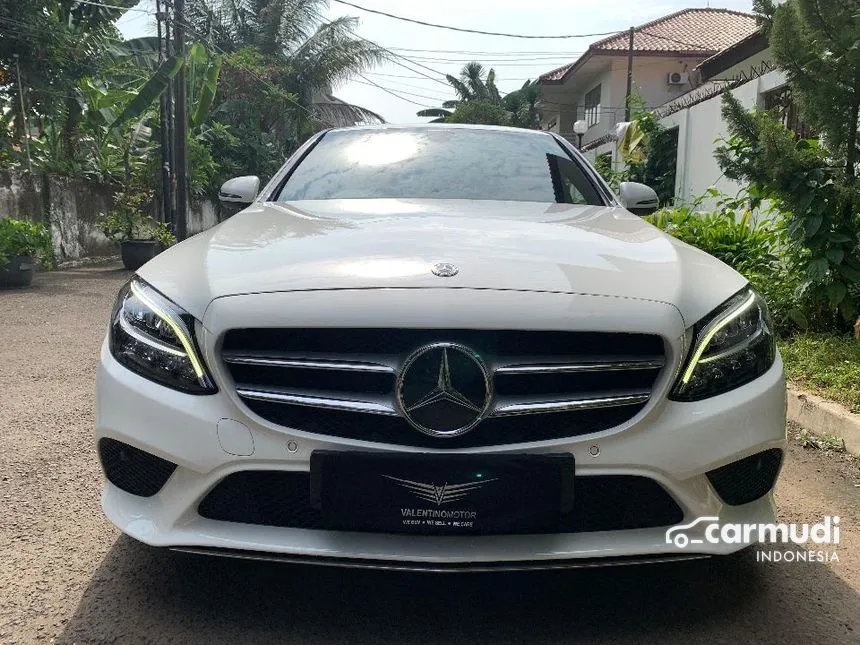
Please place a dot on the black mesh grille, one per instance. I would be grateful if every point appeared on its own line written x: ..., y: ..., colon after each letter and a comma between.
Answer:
x: 748, y: 479
x: 133, y: 470
x: 390, y: 347
x: 604, y: 503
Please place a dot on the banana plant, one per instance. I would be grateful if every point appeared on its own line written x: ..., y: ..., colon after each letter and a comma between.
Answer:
x: 203, y: 67
x: 150, y: 92
x: 203, y: 71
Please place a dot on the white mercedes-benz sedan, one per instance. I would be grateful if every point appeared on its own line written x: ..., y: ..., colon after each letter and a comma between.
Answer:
x: 442, y: 348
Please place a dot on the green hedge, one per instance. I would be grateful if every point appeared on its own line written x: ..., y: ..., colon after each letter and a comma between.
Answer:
x: 758, y: 249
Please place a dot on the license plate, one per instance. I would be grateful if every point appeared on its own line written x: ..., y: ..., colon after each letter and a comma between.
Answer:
x: 441, y: 494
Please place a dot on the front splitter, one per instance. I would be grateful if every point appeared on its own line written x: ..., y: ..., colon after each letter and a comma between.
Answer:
x: 432, y: 567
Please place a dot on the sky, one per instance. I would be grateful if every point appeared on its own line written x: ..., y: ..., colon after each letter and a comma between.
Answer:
x: 397, y: 93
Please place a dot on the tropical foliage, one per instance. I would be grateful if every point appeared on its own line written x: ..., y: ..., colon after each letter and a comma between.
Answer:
x: 814, y: 182
x: 649, y: 151
x: 280, y: 57
x: 254, y: 69
x: 755, y: 246
x: 479, y: 101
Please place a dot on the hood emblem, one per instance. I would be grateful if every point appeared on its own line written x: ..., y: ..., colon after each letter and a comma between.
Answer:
x: 445, y: 270
x: 444, y: 390
x: 444, y: 494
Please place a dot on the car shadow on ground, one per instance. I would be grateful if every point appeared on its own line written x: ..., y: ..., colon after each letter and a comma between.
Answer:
x: 140, y: 594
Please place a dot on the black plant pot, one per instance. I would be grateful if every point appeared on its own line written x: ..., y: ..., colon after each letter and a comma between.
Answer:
x: 136, y: 253
x: 19, y: 273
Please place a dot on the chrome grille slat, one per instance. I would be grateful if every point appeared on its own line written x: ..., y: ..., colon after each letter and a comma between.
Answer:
x: 299, y: 363
x: 311, y: 400
x: 543, y: 407
x: 569, y: 368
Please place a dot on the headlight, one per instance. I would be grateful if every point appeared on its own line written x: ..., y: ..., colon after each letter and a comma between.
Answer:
x: 154, y: 337
x: 733, y: 345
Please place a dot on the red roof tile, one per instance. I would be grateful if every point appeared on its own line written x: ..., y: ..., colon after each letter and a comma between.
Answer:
x: 691, y: 32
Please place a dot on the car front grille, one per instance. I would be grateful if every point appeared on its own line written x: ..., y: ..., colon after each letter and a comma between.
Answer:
x: 343, y: 382
x: 282, y: 499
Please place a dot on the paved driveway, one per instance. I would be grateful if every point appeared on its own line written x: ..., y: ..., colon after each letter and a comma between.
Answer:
x: 67, y: 576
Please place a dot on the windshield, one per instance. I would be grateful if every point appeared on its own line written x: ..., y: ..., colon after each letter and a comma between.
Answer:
x: 439, y: 163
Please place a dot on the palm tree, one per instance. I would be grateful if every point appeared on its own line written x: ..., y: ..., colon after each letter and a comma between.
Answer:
x: 308, y: 53
x: 471, y: 86
x: 522, y: 104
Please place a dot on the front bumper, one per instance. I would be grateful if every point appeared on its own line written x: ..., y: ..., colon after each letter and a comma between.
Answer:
x: 676, y: 444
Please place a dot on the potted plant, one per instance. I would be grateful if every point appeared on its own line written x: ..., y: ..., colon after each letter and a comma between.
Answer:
x: 23, y: 244
x: 140, y: 237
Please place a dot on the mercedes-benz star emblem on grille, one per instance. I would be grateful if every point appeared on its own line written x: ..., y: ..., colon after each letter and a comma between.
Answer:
x: 445, y: 270
x: 444, y: 494
x: 444, y: 389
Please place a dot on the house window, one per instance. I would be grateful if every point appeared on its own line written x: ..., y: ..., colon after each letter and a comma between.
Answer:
x: 782, y: 103
x: 592, y: 107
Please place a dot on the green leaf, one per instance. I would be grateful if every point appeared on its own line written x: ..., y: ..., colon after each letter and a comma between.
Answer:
x: 150, y: 91
x: 207, y: 92
x: 798, y: 318
x: 849, y: 272
x: 817, y: 269
x: 836, y: 292
x: 839, y: 238
x: 108, y: 114
x: 813, y: 224
x: 794, y: 226
x: 835, y: 255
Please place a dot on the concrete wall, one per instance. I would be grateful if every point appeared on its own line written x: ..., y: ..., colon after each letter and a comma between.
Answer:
x: 72, y: 208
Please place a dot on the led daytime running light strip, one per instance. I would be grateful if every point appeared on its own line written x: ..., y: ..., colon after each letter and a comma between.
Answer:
x: 180, y: 333
x: 700, y: 349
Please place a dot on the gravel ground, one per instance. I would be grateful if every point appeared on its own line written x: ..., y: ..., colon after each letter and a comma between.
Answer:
x: 68, y: 576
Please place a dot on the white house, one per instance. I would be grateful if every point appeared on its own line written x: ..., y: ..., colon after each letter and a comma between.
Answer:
x: 666, y: 53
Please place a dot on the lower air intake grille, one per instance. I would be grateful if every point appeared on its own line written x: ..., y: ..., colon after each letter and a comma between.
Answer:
x: 601, y: 503
x: 748, y: 479
x: 133, y: 470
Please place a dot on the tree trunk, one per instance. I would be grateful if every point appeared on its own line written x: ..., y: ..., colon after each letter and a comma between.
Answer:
x: 851, y: 154
x: 70, y: 128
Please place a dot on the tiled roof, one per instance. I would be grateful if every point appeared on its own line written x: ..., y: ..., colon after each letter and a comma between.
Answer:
x: 691, y: 32
x: 733, y: 54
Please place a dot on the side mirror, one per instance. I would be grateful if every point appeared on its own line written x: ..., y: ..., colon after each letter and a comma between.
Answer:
x: 639, y: 199
x: 240, y: 190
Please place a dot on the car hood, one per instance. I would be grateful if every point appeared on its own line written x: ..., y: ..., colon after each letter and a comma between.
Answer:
x: 393, y: 243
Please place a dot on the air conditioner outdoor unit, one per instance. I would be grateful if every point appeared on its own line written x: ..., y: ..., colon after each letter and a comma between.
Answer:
x: 678, y: 78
